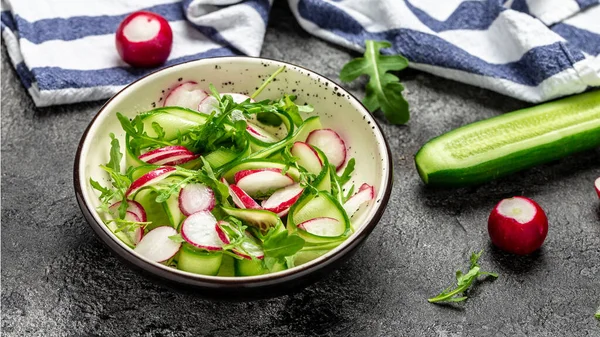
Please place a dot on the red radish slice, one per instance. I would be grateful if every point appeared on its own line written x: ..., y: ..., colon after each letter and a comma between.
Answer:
x: 156, y: 245
x: 283, y: 199
x: 150, y: 178
x: 186, y: 95
x: 151, y: 155
x: 331, y: 144
x: 365, y: 193
x: 241, y: 174
x: 144, y: 39
x: 196, y: 198
x: 136, y: 234
x: 327, y: 227
x: 132, y: 206
x: 307, y: 157
x: 260, y: 133
x: 238, y: 98
x: 208, y: 105
x: 221, y: 227
x: 263, y: 183
x: 199, y: 230
x: 597, y: 184
x: 518, y: 225
x: 241, y: 199
x: 175, y: 159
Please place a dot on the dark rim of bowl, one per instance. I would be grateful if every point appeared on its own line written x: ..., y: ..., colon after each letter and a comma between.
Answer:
x: 233, y: 282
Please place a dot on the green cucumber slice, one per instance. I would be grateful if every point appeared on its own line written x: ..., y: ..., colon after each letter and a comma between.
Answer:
x: 323, y: 181
x: 508, y: 143
x: 155, y: 213
x: 227, y: 268
x: 246, y: 267
x: 198, y: 261
x: 257, y: 218
x: 172, y: 120
x: 310, y: 124
x: 311, y: 206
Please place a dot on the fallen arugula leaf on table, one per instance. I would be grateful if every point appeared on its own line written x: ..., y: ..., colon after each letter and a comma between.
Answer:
x: 463, y: 282
x: 384, y: 90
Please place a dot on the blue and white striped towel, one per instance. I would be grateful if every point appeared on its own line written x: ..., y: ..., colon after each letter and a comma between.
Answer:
x: 534, y: 50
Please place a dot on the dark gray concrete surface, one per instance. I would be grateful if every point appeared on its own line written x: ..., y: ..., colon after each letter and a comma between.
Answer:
x: 59, y: 280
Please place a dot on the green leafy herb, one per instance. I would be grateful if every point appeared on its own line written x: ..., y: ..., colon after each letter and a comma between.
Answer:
x: 384, y: 90
x: 338, y: 182
x: 463, y: 282
x: 139, y: 139
x: 177, y: 238
x: 266, y: 82
x: 282, y: 244
x: 120, y: 182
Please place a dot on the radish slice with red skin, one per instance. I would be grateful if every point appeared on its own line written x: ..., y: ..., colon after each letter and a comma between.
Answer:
x: 196, y: 198
x: 241, y: 199
x: 221, y: 232
x: 365, y: 194
x: 208, y: 105
x: 251, y: 247
x: 307, y: 157
x: 156, y: 245
x: 263, y: 183
x: 176, y: 159
x: 186, y: 95
x: 144, y: 39
x: 160, y: 152
x: 331, y: 144
x: 597, y: 185
x: 241, y: 174
x: 150, y: 178
x: 199, y: 230
x: 136, y: 234
x: 518, y: 225
x: 260, y: 133
x: 283, y: 199
x: 324, y: 226
x: 132, y: 206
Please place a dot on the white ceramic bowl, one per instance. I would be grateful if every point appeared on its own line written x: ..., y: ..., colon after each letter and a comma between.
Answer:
x: 338, y: 110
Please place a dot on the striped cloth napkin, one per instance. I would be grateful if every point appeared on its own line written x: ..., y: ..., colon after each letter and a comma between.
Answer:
x: 534, y: 50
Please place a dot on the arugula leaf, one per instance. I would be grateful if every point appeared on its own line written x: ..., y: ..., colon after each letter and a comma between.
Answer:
x: 282, y: 244
x: 177, y: 238
x: 383, y: 90
x: 338, y: 182
x: 139, y: 139
x: 120, y: 182
x: 266, y: 82
x: 463, y: 282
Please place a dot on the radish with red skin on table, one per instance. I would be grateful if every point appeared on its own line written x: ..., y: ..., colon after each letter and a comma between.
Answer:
x: 144, y: 39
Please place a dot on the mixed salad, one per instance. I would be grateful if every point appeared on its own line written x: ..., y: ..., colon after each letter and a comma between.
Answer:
x: 222, y: 184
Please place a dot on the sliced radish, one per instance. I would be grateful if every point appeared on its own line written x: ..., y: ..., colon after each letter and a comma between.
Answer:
x: 186, y: 95
x: 281, y: 201
x: 156, y: 245
x: 365, y: 193
x: 307, y: 157
x: 136, y: 234
x: 223, y: 228
x: 238, y: 98
x: 208, y: 105
x: 262, y: 183
x: 199, y: 230
x: 132, y: 206
x: 260, y: 133
x: 241, y: 174
x: 150, y: 178
x: 518, y: 225
x: 196, y: 198
x: 149, y: 156
x: 144, y: 39
x: 597, y: 185
x: 241, y: 199
x: 324, y: 226
x: 331, y: 144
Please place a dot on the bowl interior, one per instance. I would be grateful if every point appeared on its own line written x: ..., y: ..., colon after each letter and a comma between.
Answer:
x: 338, y: 110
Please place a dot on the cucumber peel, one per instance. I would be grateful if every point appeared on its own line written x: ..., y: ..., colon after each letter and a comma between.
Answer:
x: 488, y: 149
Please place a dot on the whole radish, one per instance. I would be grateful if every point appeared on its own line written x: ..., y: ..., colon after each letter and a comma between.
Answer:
x: 144, y: 39
x: 518, y: 225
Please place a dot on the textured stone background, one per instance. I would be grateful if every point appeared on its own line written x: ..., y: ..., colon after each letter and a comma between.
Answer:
x: 59, y: 280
